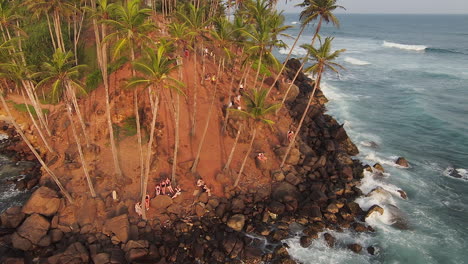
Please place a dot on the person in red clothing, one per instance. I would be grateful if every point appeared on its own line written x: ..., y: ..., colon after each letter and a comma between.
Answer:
x: 147, y: 202
x: 186, y: 53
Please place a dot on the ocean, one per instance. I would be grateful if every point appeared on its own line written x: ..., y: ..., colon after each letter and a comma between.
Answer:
x: 404, y: 92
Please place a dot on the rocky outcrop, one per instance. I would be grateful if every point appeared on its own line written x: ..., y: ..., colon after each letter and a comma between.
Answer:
x: 119, y: 226
x: 402, y: 162
x: 236, y: 222
x: 43, y: 201
x: 12, y: 217
x: 31, y: 232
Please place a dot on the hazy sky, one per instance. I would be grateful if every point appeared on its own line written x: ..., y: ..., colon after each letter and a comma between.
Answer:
x: 393, y: 6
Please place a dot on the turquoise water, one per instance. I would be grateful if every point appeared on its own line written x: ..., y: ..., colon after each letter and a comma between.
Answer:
x: 405, y: 88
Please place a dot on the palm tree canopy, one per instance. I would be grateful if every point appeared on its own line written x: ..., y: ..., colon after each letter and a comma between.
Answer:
x: 155, y: 69
x: 323, y: 56
x: 131, y: 25
x: 314, y: 9
x: 256, y: 107
x: 60, y: 71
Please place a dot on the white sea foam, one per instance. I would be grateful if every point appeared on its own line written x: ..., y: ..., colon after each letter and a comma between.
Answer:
x: 297, y: 51
x: 456, y: 173
x: 294, y: 22
x: 404, y: 46
x: 390, y: 161
x: 319, y: 252
x: 356, y: 61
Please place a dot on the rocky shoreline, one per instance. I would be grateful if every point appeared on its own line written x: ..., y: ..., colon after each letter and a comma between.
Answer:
x: 315, y: 192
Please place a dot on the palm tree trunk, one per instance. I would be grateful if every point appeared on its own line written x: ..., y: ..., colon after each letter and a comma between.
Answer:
x: 231, y: 155
x: 176, y: 143
x: 148, y: 155
x: 29, y: 88
x: 286, y: 60
x: 246, y: 157
x: 33, y: 150
x: 50, y: 32
x: 80, y: 151
x: 195, y: 93
x: 317, y: 83
x: 258, y: 69
x: 78, y: 113
x: 46, y: 143
x: 140, y: 145
x: 210, y: 111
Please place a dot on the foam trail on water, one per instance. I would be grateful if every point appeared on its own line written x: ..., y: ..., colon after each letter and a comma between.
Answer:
x: 296, y: 51
x: 356, y: 61
x: 404, y: 46
x: 294, y: 22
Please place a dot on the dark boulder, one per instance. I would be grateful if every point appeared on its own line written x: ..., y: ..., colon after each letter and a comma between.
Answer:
x: 402, y: 162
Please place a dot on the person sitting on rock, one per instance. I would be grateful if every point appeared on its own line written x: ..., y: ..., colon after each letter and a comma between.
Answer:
x: 158, y: 189
x: 261, y: 157
x: 178, y: 191
x: 200, y: 183
x: 213, y: 79
x: 163, y: 187
x: 206, y: 189
x: 168, y: 185
x: 290, y: 135
x: 138, y: 209
x: 147, y: 202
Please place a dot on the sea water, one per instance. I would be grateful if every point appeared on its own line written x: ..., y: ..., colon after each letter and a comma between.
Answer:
x: 404, y: 92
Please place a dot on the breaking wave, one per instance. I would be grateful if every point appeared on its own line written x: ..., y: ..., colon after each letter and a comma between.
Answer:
x: 356, y: 61
x: 404, y: 46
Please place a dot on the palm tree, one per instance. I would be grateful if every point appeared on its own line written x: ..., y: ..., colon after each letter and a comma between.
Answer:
x: 101, y: 12
x: 256, y: 111
x: 155, y: 70
x: 62, y: 76
x: 131, y: 27
x: 323, y: 57
x: 315, y: 9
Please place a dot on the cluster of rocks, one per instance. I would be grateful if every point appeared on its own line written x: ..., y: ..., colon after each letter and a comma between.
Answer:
x: 21, y: 160
x: 315, y: 192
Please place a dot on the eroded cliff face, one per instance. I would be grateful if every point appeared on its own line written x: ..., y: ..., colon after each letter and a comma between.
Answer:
x: 314, y: 192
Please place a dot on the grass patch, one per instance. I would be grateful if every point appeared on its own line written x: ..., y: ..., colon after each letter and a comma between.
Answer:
x: 94, y: 79
x: 23, y: 108
x: 126, y: 129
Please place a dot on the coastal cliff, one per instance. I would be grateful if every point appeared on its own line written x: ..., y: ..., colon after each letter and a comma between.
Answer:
x: 314, y: 192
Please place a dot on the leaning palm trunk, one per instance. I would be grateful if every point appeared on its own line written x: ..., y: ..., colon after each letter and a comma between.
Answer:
x: 33, y: 150
x: 101, y: 50
x: 39, y: 130
x: 286, y: 61
x: 148, y: 154
x: 78, y: 112
x: 29, y: 88
x: 259, y: 65
x: 304, y: 61
x: 195, y: 93
x: 140, y: 145
x: 80, y: 151
x: 231, y: 155
x: 317, y: 83
x: 246, y: 157
x: 210, y: 111
x: 226, y: 117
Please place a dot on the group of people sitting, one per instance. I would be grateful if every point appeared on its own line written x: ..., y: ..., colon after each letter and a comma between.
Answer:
x: 162, y: 188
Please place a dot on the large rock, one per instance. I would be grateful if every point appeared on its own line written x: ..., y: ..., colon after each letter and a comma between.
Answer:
x: 402, y: 162
x: 374, y: 209
x: 12, y: 217
x: 292, y: 94
x: 118, y: 225
x: 75, y: 253
x: 356, y: 248
x: 236, y: 222
x: 293, y: 156
x: 43, y: 201
x: 281, y: 190
x: 33, y: 230
x: 161, y: 202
